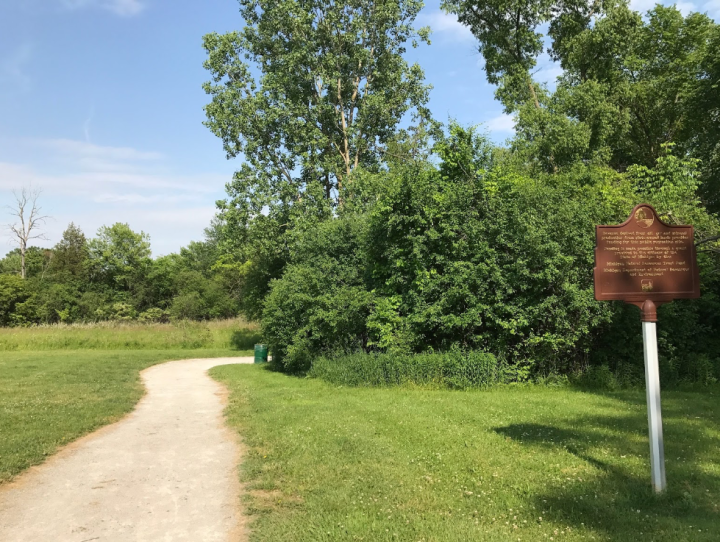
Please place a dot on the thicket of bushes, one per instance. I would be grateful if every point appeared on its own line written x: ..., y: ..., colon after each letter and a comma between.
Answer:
x: 473, y: 255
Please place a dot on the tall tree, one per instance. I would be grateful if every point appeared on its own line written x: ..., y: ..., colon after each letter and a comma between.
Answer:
x: 308, y: 92
x: 30, y: 219
x: 509, y: 42
x: 119, y: 257
x: 325, y: 87
x: 630, y: 85
x: 70, y: 255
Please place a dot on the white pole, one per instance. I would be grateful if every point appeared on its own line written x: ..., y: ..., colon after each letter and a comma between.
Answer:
x: 652, y: 384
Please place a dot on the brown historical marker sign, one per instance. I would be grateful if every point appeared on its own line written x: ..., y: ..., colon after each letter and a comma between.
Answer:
x: 644, y: 259
x: 646, y: 262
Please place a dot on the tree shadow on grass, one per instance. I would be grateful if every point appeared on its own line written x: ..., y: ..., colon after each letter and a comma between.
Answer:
x: 611, y: 494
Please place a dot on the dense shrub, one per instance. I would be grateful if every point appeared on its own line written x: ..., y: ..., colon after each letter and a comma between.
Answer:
x: 320, y: 304
x: 475, y: 254
x: 13, y: 292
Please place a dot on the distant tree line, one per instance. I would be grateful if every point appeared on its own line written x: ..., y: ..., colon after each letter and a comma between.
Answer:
x: 113, y: 277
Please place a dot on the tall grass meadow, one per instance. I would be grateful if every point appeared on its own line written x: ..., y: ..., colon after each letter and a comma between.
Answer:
x: 448, y: 370
x: 233, y: 333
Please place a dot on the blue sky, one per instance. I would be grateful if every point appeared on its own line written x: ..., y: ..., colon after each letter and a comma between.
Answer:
x: 101, y: 107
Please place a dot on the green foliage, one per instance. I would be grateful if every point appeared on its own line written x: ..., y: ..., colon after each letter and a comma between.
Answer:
x: 119, y: 257
x: 112, y: 277
x: 509, y: 41
x: 153, y: 315
x: 332, y: 91
x: 328, y: 97
x: 491, y: 259
x: 475, y: 254
x: 13, y: 292
x: 71, y: 255
x: 629, y: 85
x: 320, y: 303
x: 454, y: 370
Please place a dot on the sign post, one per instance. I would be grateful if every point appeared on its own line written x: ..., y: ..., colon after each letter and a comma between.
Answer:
x: 646, y: 262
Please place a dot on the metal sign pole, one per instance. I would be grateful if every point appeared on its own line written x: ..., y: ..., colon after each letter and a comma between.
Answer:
x: 652, y: 384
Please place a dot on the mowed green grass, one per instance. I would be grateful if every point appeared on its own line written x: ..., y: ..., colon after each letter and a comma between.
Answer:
x: 513, y: 463
x: 50, y: 398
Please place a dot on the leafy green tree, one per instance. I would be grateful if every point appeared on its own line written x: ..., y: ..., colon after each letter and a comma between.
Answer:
x: 307, y: 93
x: 333, y: 88
x: 704, y: 110
x: 509, y: 42
x: 119, y: 258
x: 628, y: 87
x: 13, y: 291
x: 37, y: 262
x: 321, y: 303
x: 70, y: 255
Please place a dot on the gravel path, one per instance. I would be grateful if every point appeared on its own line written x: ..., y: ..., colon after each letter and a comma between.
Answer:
x: 166, y: 472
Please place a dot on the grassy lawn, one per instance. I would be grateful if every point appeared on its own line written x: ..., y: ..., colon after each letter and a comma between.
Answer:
x: 530, y: 464
x: 48, y: 399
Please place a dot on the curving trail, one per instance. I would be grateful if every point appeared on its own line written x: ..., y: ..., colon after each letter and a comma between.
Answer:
x: 165, y: 472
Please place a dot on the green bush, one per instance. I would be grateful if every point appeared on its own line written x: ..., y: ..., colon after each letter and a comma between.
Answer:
x: 320, y: 304
x: 154, y: 315
x: 13, y: 292
x: 455, y: 369
x: 475, y: 254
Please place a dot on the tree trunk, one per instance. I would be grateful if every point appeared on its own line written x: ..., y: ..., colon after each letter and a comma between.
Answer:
x: 23, y: 247
x: 534, y: 95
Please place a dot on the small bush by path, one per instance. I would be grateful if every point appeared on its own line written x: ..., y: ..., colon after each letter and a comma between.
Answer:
x: 48, y: 399
x: 529, y: 463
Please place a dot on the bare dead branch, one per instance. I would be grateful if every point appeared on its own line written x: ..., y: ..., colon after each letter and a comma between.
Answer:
x: 29, y: 224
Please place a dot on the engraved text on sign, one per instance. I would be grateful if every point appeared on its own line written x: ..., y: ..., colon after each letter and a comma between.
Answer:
x: 644, y: 258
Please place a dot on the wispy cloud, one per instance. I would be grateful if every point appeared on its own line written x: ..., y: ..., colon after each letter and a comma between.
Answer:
x: 123, y: 8
x: 88, y: 123
x: 93, y: 185
x: 686, y: 8
x: 446, y: 25
x: 86, y: 156
x: 712, y: 8
x: 501, y: 124
x: 13, y: 69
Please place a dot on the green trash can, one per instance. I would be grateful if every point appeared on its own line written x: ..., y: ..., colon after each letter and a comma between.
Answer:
x: 261, y: 353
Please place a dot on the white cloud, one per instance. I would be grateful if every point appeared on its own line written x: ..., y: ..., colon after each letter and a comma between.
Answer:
x: 87, y: 156
x: 686, y: 8
x: 446, y: 25
x: 124, y: 8
x: 713, y: 9
x: 502, y: 123
x: 94, y: 185
x: 642, y: 5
